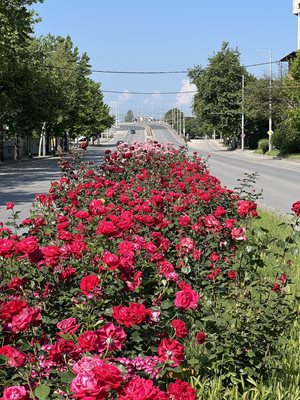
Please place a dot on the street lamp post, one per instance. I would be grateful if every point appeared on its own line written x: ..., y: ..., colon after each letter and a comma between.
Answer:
x: 243, y: 113
x: 270, y: 132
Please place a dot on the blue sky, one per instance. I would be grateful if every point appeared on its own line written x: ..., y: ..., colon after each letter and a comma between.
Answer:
x: 167, y: 35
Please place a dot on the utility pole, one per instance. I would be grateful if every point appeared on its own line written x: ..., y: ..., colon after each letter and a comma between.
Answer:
x: 243, y: 112
x: 270, y: 103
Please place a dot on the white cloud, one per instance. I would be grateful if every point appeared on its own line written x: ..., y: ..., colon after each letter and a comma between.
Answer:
x: 125, y: 95
x: 186, y: 98
x: 153, y: 99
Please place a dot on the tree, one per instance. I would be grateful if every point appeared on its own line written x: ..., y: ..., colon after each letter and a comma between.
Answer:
x: 257, y: 98
x: 219, y: 89
x: 129, y: 117
x: 173, y: 116
x: 287, y: 136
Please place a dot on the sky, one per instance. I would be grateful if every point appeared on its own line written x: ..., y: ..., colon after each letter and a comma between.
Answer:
x: 167, y: 35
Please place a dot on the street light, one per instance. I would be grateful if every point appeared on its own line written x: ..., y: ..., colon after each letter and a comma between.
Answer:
x: 270, y: 132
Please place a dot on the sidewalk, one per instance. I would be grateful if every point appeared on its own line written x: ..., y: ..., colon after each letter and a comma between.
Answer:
x: 251, y: 153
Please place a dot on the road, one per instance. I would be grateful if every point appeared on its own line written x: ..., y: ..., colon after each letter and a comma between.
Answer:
x: 279, y: 179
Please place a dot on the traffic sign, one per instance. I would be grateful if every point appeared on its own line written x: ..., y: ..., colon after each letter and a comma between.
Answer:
x: 270, y: 133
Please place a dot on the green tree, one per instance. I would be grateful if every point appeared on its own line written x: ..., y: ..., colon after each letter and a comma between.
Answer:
x: 287, y: 137
x: 257, y: 98
x: 173, y: 116
x: 129, y: 117
x: 219, y: 90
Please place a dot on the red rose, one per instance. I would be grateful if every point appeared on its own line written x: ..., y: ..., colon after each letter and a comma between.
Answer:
x: 110, y: 259
x: 82, y: 214
x: 110, y: 338
x: 232, y: 275
x: 88, y: 284
x: 141, y: 389
x: 276, y: 288
x: 296, y: 208
x: 219, y: 212
x: 187, y: 299
x: 201, y: 337
x: 130, y: 316
x: 7, y: 248
x: 88, y: 340
x: 8, y: 310
x: 180, y: 328
x: 29, y: 316
x: 9, y: 206
x: 171, y: 350
x: 184, y: 220
x: 247, y: 208
x: 14, y: 358
x: 109, y: 375
x: 180, y: 390
x: 15, y: 393
x: 67, y: 326
x: 16, y: 283
x: 27, y: 245
x: 238, y: 233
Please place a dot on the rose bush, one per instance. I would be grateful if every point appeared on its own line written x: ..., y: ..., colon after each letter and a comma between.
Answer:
x: 132, y: 277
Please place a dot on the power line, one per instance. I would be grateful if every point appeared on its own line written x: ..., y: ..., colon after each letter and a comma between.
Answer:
x: 149, y: 72
x: 155, y: 93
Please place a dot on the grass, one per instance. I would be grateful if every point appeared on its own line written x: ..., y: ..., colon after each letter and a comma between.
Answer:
x: 276, y: 153
x: 284, y: 383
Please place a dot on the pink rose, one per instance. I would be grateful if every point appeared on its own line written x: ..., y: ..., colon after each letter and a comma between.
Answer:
x: 86, y: 384
x: 29, y: 316
x: 9, y: 206
x: 238, y: 233
x: 15, y: 393
x: 187, y: 299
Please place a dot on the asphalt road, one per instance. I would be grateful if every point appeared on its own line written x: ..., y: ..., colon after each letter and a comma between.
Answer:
x: 278, y: 180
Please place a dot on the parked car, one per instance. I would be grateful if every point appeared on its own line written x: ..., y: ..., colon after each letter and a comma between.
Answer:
x: 119, y: 142
x: 132, y: 131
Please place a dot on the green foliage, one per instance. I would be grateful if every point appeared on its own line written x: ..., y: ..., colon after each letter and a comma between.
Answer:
x: 287, y: 138
x: 263, y: 145
x: 45, y: 80
x: 257, y: 98
x: 219, y: 91
x: 129, y: 117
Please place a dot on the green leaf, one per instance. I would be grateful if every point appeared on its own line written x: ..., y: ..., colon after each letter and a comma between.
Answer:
x: 166, y: 304
x: 186, y: 269
x: 42, y: 392
x: 67, y: 376
x: 294, y: 251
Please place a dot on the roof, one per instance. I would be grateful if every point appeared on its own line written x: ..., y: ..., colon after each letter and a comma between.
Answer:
x: 290, y: 56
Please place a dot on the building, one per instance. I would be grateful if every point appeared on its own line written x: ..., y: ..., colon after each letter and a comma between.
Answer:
x: 291, y: 56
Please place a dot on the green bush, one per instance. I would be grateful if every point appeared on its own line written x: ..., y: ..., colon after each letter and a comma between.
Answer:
x: 286, y: 139
x: 263, y: 145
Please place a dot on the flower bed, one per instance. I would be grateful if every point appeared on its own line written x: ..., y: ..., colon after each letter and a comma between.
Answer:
x: 133, y: 277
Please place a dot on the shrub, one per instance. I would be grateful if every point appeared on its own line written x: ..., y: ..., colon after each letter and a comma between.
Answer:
x: 263, y: 145
x: 133, y: 276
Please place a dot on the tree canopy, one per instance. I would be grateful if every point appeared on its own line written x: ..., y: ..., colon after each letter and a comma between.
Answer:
x: 219, y: 91
x: 45, y: 80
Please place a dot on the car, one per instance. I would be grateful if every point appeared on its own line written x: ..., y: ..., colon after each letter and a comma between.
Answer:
x: 132, y: 131
x: 119, y: 142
